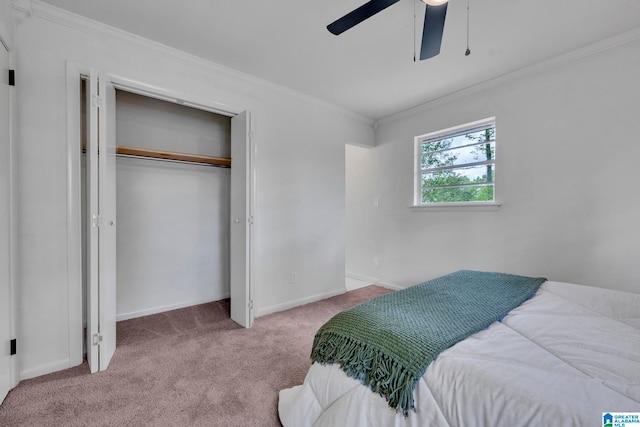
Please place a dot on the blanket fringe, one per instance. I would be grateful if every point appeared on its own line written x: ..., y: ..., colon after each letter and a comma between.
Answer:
x: 377, y: 371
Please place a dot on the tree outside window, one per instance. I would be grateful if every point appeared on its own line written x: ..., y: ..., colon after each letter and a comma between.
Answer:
x: 458, y: 166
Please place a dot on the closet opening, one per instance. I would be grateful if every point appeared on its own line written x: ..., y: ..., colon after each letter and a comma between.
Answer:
x: 173, y: 205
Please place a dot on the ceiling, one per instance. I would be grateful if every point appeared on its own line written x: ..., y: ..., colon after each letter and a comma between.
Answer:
x: 369, y: 69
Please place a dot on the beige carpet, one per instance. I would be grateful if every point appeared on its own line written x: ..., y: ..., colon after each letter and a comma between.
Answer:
x: 187, y: 367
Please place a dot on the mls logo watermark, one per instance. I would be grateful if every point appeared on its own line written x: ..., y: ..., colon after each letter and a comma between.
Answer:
x: 621, y: 419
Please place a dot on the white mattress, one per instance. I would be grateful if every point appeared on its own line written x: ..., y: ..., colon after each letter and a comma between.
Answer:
x: 562, y: 358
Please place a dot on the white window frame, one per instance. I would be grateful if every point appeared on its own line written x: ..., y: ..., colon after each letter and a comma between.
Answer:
x: 418, y: 205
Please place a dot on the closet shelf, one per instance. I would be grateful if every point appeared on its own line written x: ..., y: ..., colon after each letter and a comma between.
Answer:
x: 170, y: 155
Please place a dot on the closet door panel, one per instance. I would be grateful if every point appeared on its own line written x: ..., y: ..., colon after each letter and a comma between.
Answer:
x: 241, y: 220
x: 93, y: 303
x: 101, y: 273
x: 107, y: 203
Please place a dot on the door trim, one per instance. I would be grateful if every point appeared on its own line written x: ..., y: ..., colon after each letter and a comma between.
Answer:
x: 12, y: 315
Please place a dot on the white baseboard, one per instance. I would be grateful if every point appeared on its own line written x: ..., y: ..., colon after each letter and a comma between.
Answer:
x: 372, y: 280
x: 156, y: 310
x: 45, y: 369
x: 263, y: 311
x: 360, y: 277
x: 389, y: 286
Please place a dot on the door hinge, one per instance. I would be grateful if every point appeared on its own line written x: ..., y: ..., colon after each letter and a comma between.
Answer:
x: 250, y: 305
x: 12, y: 77
x: 96, y: 339
x: 96, y: 220
x: 97, y: 101
x: 14, y: 347
x: 250, y: 220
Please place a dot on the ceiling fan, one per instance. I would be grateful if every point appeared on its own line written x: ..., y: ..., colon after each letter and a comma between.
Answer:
x: 431, y: 33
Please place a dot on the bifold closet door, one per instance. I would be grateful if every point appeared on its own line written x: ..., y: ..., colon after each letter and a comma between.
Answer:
x: 241, y: 220
x: 101, y: 233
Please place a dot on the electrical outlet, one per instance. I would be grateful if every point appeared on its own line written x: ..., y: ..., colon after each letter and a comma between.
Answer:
x: 293, y: 277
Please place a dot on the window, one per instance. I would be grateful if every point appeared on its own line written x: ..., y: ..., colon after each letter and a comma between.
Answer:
x: 457, y: 165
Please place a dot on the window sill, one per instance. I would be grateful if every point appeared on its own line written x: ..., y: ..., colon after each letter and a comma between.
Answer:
x: 460, y: 207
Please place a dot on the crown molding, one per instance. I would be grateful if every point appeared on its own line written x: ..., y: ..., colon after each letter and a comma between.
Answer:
x: 28, y: 8
x: 531, y: 70
x: 21, y: 11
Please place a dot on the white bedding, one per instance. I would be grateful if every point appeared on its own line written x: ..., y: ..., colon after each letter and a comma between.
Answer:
x: 562, y: 358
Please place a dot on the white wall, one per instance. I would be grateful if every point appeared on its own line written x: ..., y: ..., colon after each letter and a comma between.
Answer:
x: 152, y: 123
x: 300, y: 177
x: 360, y: 197
x: 173, y: 218
x: 567, y: 152
x: 172, y: 235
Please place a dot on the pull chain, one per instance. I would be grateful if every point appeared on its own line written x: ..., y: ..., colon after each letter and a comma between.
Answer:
x: 468, y: 51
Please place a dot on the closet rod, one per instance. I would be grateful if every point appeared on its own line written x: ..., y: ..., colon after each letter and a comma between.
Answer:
x: 172, y: 156
x: 157, y: 159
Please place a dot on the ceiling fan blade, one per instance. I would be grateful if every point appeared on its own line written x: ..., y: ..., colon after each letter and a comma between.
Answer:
x: 358, y: 15
x: 432, y: 32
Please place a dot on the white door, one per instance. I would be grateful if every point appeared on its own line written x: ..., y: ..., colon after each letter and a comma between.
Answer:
x: 107, y: 204
x: 101, y: 244
x: 5, y: 248
x: 241, y: 219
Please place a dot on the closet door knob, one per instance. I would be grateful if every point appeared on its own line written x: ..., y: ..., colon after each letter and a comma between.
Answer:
x: 237, y: 220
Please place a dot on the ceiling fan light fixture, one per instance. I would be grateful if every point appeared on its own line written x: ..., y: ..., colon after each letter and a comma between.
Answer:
x: 435, y: 2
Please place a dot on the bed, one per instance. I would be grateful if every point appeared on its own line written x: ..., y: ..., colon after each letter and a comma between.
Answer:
x: 565, y: 355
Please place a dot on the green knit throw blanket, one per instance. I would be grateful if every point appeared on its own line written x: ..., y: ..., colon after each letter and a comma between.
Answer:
x: 388, y: 342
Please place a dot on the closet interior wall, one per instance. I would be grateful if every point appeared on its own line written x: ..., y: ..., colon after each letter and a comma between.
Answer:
x: 173, y: 218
